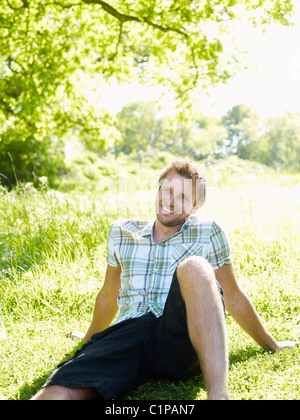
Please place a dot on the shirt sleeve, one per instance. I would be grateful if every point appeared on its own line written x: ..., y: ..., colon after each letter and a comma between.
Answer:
x: 219, y: 247
x: 112, y: 258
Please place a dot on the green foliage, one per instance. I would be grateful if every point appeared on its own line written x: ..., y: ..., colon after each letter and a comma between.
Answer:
x: 87, y: 169
x: 274, y: 142
x: 52, y: 52
x: 40, y: 230
x: 282, y: 142
x: 241, y: 123
x: 52, y: 265
x: 141, y: 127
x: 145, y: 130
x: 22, y: 161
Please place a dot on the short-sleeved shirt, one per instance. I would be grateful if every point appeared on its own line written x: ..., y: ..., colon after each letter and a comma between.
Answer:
x: 147, y: 268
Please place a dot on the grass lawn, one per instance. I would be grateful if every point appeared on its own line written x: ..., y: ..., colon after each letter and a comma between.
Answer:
x: 52, y: 264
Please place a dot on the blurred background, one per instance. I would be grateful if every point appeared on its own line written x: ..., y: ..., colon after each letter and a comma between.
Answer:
x: 87, y: 84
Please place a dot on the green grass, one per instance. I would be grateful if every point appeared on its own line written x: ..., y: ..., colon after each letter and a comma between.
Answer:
x: 52, y: 264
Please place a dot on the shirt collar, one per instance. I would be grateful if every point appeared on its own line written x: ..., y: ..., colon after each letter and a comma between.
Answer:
x: 189, y: 222
x: 192, y: 220
x: 148, y: 229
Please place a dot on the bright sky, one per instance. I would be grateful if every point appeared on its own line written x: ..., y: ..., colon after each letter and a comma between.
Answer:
x: 272, y: 85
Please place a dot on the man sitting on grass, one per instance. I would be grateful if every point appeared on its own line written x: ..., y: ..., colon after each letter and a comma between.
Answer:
x: 171, y: 279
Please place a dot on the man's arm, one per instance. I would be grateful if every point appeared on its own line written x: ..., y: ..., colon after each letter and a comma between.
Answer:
x: 242, y: 310
x: 106, y: 306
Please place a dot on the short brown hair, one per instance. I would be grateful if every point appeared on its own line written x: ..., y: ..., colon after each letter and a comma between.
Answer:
x: 188, y: 169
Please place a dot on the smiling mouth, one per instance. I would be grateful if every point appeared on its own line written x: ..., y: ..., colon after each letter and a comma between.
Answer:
x: 166, y: 210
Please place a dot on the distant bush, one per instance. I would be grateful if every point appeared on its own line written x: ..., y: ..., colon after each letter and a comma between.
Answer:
x: 27, y: 161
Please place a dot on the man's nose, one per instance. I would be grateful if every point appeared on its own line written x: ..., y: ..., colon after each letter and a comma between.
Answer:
x: 172, y: 200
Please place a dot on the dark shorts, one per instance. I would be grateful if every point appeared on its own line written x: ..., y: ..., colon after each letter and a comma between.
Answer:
x: 126, y: 355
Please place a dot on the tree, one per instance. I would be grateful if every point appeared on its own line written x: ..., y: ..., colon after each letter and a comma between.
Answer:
x: 145, y: 129
x: 281, y: 142
x: 49, y: 46
x: 274, y: 142
x: 242, y: 125
x: 202, y: 136
x: 140, y: 127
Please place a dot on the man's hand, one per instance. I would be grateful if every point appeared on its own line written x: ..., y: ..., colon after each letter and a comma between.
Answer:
x: 282, y: 345
x: 75, y: 335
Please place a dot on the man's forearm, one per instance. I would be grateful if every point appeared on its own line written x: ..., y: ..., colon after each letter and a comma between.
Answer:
x: 104, y: 313
x: 246, y: 316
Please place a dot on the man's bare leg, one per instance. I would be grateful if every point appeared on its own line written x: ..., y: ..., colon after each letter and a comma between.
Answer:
x: 62, y: 393
x: 206, y: 323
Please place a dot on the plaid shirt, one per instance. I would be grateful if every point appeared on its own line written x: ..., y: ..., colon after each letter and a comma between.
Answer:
x: 147, y: 268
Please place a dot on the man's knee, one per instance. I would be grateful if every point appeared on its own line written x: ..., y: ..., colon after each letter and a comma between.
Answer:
x: 56, y: 392
x: 195, y: 266
x: 196, y: 279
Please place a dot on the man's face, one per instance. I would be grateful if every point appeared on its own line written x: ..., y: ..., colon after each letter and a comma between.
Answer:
x: 175, y: 200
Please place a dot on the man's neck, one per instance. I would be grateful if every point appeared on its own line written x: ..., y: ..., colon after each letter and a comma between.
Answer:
x: 161, y: 232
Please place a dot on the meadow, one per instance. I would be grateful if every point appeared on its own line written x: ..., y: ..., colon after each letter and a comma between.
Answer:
x: 52, y: 265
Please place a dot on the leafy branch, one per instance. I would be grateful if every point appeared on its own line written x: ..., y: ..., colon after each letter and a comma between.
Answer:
x: 125, y: 18
x: 24, y: 2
